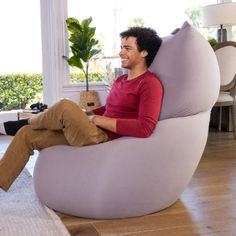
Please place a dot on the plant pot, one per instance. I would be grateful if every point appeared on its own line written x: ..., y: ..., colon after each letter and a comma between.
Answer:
x: 89, y: 100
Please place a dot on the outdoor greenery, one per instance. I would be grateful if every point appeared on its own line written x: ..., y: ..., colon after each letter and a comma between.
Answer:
x: 137, y: 21
x: 78, y: 77
x: 19, y: 91
x: 194, y: 15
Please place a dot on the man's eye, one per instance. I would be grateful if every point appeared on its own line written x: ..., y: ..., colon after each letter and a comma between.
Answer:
x: 127, y: 48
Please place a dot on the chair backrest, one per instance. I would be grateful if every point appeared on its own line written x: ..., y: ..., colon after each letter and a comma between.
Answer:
x: 188, y: 69
x: 226, y: 57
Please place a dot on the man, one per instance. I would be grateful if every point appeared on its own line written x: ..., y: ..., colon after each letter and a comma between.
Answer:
x: 132, y: 109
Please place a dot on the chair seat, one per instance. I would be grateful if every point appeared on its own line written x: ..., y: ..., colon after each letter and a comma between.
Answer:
x: 224, y: 98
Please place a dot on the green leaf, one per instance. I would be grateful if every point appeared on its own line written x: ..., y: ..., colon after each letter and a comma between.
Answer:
x: 82, y: 43
x: 86, y: 22
x: 95, y: 52
x: 74, y: 50
x: 76, y: 62
x: 73, y: 25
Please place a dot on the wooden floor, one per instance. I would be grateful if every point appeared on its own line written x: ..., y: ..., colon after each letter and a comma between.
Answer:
x: 207, y: 207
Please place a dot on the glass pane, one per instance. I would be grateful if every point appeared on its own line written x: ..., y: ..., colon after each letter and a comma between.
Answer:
x: 20, y: 36
x: 113, y: 16
x: 20, y: 47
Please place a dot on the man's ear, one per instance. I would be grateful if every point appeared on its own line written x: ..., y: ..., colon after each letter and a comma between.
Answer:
x: 144, y: 53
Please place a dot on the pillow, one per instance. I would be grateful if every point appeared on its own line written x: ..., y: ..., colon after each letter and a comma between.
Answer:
x: 188, y: 69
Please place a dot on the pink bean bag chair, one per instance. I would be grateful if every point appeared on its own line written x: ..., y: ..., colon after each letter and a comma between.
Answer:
x: 131, y: 176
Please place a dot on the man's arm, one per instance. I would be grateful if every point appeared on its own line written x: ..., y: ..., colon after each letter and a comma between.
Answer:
x: 150, y: 100
x: 105, y: 122
x: 97, y: 111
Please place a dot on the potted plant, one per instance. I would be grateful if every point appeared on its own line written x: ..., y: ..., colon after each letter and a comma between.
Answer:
x: 212, y: 42
x: 83, y: 46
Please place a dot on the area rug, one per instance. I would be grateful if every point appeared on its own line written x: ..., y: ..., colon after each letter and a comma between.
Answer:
x: 21, y: 213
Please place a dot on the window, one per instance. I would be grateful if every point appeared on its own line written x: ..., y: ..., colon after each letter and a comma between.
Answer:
x: 21, y: 57
x: 112, y: 17
x: 109, y: 17
x: 20, y: 37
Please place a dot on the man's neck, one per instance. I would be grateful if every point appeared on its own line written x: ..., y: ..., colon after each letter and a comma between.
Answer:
x: 132, y: 74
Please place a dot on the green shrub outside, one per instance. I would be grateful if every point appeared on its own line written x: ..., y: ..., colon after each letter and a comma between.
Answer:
x: 78, y: 77
x: 19, y: 91
x: 16, y: 90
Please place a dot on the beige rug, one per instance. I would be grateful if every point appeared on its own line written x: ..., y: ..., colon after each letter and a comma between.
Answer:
x: 21, y: 213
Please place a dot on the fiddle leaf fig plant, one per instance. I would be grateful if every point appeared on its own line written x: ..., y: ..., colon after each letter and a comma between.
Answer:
x: 83, y: 45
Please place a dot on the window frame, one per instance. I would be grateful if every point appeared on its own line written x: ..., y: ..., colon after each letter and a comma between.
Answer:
x: 56, y: 71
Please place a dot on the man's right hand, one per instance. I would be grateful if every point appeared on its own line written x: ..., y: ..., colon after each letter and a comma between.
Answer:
x: 89, y: 113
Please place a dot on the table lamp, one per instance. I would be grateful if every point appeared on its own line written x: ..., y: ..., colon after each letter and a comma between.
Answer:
x: 219, y: 15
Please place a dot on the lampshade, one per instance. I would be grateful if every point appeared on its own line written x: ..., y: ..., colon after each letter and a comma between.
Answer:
x: 219, y: 14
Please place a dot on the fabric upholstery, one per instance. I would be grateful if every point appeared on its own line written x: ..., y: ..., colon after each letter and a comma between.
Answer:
x: 125, y: 177
x: 225, y: 97
x: 227, y: 63
x: 186, y: 78
x: 136, y: 176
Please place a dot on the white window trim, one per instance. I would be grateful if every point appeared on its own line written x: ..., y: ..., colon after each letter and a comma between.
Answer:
x: 54, y: 45
x: 98, y: 86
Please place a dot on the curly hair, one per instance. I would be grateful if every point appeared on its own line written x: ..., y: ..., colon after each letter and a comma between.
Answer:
x: 147, y: 39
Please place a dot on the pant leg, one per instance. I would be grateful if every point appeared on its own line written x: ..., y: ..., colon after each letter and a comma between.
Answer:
x: 68, y: 116
x: 22, y: 146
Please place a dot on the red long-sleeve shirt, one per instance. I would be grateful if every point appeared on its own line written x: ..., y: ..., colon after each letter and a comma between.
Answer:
x: 135, y: 104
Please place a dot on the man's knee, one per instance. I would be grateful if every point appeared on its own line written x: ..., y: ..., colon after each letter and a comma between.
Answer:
x: 24, y: 130
x: 68, y: 105
x: 65, y: 102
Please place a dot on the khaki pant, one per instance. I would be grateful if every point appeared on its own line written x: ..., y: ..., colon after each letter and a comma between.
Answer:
x: 63, y: 123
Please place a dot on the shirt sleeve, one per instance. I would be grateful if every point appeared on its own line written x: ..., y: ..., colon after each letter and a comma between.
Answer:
x: 99, y: 111
x: 151, y: 94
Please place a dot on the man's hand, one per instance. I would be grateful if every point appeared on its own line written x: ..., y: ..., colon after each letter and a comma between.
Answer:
x: 105, y: 123
x: 89, y: 113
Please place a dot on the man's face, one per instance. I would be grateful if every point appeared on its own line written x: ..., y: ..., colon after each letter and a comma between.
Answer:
x: 130, y: 56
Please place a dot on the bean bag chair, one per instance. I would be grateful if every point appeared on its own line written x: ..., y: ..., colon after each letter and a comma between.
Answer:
x: 129, y: 176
